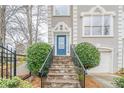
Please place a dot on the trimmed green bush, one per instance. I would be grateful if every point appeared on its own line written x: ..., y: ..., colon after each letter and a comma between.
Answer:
x: 36, y: 55
x: 119, y: 82
x: 88, y: 54
x: 15, y: 82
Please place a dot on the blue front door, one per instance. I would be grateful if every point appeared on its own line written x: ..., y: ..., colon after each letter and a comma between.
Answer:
x: 61, y: 44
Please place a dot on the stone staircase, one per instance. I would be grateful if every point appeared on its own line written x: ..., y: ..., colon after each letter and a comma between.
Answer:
x: 62, y: 74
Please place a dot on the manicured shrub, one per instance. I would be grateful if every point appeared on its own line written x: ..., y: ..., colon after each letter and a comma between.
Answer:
x: 88, y: 54
x: 15, y: 82
x: 119, y: 82
x: 36, y: 55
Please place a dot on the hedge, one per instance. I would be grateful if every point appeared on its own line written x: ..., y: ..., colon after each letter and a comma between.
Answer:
x: 36, y: 55
x: 88, y: 54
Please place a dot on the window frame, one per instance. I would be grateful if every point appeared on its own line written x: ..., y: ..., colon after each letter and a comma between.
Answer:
x: 68, y: 11
x: 91, y: 31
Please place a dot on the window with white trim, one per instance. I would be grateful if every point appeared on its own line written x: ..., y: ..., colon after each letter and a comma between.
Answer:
x: 61, y: 10
x: 97, y: 25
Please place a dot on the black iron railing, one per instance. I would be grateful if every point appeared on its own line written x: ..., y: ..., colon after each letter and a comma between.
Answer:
x: 46, y: 65
x: 78, y: 66
x: 7, y: 62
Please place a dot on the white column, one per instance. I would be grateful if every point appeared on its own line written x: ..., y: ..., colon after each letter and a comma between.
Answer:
x: 50, y: 25
x: 120, y: 41
x: 75, y: 24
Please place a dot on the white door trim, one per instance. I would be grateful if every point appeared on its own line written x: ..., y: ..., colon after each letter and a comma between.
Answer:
x: 68, y: 42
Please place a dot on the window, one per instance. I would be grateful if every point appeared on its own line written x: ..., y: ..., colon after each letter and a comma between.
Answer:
x: 97, y: 25
x: 61, y: 10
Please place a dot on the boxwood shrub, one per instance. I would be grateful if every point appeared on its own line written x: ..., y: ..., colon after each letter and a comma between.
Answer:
x: 119, y: 82
x: 15, y: 82
x: 36, y: 55
x: 88, y: 54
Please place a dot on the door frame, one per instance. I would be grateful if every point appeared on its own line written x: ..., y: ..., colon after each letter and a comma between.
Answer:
x: 65, y: 43
x: 68, y: 42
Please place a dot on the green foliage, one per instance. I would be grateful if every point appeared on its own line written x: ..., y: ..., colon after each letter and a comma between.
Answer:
x: 88, y: 54
x: 15, y: 82
x: 80, y: 74
x: 119, y: 82
x: 36, y: 55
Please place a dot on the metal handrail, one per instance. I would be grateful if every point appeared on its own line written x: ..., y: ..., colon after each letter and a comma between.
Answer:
x: 6, y: 49
x: 77, y: 60
x: 46, y: 62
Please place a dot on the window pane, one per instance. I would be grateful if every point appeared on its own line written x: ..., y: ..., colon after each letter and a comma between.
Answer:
x: 61, y: 10
x: 97, y: 20
x: 106, y: 20
x: 97, y: 30
x: 106, y: 30
x: 61, y: 42
x: 86, y: 30
x: 86, y: 21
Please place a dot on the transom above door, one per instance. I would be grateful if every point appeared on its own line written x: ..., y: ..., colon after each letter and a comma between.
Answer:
x: 61, y: 44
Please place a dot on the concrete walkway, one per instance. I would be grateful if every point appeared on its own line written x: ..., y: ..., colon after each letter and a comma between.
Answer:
x: 104, y: 79
x: 22, y: 70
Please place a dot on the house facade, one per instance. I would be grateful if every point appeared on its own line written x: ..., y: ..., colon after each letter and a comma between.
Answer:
x: 101, y: 25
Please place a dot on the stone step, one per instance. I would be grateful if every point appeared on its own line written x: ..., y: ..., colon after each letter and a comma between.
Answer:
x: 62, y: 74
x: 63, y: 77
x: 62, y: 83
x: 62, y: 61
x: 62, y: 66
x: 62, y: 69
x: 62, y: 57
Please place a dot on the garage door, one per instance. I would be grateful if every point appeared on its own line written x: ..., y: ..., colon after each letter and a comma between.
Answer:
x: 105, y: 65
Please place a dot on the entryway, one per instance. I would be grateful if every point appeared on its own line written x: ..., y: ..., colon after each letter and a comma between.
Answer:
x: 61, y: 39
x: 61, y: 44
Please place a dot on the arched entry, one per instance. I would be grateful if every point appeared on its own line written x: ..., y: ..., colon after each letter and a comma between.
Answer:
x: 61, y: 39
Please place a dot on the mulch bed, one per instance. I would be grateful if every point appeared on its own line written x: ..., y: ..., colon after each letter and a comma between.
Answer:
x: 91, y: 83
x: 35, y: 81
